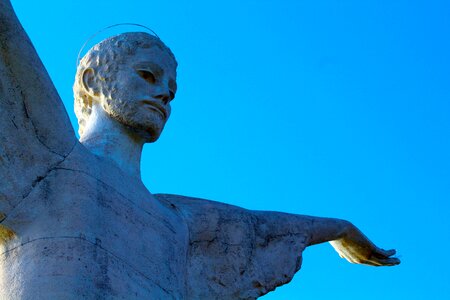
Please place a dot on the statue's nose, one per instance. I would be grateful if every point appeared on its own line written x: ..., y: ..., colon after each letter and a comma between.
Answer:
x: 162, y: 93
x: 163, y: 97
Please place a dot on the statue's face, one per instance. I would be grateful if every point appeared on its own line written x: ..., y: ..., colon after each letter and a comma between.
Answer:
x: 140, y: 95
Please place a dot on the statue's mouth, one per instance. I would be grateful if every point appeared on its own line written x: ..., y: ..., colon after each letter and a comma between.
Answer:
x: 155, y: 106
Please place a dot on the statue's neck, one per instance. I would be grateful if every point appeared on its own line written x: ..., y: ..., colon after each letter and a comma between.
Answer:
x: 109, y: 139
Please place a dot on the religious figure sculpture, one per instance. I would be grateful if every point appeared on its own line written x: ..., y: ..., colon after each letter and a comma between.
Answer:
x: 78, y: 223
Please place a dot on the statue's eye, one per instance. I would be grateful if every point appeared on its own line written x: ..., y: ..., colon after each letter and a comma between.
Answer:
x: 147, y: 75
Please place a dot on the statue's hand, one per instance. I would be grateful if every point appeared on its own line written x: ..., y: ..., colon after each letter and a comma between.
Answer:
x: 355, y: 247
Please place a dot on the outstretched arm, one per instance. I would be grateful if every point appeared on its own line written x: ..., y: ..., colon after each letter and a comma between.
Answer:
x: 348, y: 241
x: 242, y: 254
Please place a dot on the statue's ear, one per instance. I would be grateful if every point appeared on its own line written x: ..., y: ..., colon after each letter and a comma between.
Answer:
x: 90, y: 83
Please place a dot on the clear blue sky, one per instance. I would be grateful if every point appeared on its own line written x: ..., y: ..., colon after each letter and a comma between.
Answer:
x: 328, y: 108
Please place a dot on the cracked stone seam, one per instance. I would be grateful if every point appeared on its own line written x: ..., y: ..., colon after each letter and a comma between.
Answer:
x: 82, y: 238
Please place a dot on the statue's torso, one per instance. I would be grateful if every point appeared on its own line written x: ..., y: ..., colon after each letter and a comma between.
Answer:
x: 87, y: 231
x: 84, y: 231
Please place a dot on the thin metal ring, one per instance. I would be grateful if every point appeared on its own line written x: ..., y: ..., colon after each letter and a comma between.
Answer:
x: 106, y: 28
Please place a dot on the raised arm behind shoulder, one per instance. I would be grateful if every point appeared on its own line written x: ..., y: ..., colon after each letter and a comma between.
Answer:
x: 35, y: 132
x: 26, y: 89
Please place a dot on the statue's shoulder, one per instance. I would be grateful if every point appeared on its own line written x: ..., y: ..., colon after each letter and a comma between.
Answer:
x: 205, y: 217
x: 236, y: 253
x: 190, y: 206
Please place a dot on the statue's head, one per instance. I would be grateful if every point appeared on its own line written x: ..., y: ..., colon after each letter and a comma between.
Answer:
x: 131, y: 77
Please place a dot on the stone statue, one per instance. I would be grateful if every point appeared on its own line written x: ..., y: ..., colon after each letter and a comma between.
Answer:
x: 78, y: 223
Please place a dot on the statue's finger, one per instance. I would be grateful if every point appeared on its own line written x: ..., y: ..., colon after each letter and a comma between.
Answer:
x: 392, y: 261
x: 381, y: 253
x: 390, y: 252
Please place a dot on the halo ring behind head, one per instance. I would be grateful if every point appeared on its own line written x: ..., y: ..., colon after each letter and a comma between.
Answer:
x: 107, y: 28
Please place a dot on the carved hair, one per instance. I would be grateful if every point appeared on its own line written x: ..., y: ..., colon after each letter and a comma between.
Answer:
x: 105, y: 58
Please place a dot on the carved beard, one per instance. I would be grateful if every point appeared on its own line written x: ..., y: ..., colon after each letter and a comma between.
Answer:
x: 141, y: 121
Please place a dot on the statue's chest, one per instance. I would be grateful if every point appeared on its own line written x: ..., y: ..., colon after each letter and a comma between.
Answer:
x: 87, y: 229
